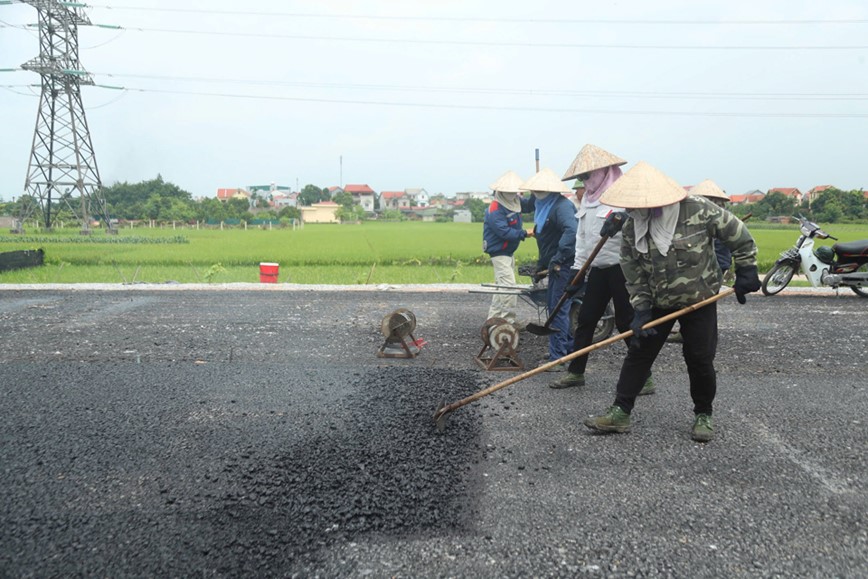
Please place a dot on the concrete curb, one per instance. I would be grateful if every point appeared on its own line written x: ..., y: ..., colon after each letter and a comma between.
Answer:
x: 291, y: 287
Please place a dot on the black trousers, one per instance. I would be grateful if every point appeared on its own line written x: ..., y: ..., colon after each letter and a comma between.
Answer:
x: 699, y: 329
x: 604, y: 284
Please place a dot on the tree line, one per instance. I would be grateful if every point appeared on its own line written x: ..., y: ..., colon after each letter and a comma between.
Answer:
x: 830, y: 206
x: 158, y: 200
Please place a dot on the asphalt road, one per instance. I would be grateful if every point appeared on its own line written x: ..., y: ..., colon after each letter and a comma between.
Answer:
x: 246, y: 432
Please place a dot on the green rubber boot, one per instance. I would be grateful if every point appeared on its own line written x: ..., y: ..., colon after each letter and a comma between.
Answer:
x: 614, y: 420
x: 703, y: 431
x: 568, y: 381
x: 649, y: 387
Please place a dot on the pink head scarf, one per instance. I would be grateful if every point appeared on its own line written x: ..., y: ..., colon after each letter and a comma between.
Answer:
x: 599, y: 180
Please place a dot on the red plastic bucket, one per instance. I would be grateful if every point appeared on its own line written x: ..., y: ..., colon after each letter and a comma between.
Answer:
x: 268, y: 272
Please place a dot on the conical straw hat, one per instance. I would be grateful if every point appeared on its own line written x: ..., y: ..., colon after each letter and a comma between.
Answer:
x: 545, y: 180
x: 509, y: 182
x: 589, y: 158
x: 641, y: 187
x: 709, y: 188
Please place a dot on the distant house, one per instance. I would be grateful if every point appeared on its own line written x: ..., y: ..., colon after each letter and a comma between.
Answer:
x: 428, y: 213
x: 225, y: 195
x: 749, y: 197
x: 814, y: 192
x: 791, y: 192
x: 362, y: 195
x: 418, y: 197
x: 481, y: 195
x: 322, y: 212
x: 438, y: 200
x: 269, y: 188
x: 462, y: 216
x: 334, y: 190
x: 394, y: 200
x: 281, y: 200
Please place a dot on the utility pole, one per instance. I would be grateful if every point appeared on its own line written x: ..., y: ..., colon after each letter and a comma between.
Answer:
x: 62, y: 161
x: 341, y: 184
x: 536, y: 154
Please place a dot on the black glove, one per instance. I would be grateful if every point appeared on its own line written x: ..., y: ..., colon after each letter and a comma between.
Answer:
x: 613, y: 224
x: 746, y: 281
x: 640, y: 318
x: 572, y: 289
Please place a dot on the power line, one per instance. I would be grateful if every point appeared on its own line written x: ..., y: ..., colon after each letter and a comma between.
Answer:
x: 510, y: 43
x: 571, y: 21
x: 503, y: 108
x: 513, y: 91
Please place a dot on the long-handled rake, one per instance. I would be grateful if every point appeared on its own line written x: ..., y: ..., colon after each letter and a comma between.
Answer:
x: 443, y: 409
x: 545, y: 330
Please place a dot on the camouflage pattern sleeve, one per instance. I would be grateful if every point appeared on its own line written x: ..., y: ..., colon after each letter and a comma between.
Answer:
x: 733, y: 233
x: 689, y: 272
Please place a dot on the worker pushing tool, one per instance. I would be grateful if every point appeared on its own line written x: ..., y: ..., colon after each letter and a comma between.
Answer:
x: 555, y: 232
x: 668, y: 259
x: 598, y: 244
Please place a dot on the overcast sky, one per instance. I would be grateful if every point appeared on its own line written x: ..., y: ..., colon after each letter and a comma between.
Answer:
x: 448, y: 95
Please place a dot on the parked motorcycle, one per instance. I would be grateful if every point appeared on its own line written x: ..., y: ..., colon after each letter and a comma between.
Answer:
x: 841, y: 265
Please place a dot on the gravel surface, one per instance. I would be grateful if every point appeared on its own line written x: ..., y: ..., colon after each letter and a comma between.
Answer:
x: 250, y: 430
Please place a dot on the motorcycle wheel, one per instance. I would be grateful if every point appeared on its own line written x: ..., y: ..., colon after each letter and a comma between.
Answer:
x: 778, y: 278
x: 861, y: 292
x: 605, y: 326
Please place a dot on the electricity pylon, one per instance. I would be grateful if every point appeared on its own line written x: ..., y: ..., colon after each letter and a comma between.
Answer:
x: 62, y: 169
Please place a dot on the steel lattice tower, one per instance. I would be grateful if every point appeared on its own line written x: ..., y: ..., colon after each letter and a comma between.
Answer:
x: 62, y: 167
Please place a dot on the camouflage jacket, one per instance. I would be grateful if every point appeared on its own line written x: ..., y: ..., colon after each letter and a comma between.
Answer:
x: 689, y: 272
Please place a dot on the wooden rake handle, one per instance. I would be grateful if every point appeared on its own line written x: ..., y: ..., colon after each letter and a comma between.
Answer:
x: 482, y: 393
x: 577, y: 279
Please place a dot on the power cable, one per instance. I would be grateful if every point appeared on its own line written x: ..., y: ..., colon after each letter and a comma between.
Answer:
x: 504, y: 108
x: 11, y: 88
x: 510, y: 43
x: 571, y: 21
x: 512, y: 91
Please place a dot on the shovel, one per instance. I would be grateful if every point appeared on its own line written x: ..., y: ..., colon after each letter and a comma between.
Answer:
x: 443, y: 409
x: 545, y: 330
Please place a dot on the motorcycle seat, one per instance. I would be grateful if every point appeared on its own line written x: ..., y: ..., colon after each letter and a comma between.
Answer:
x: 852, y: 248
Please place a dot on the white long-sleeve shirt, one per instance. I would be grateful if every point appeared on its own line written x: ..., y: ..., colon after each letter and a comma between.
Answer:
x: 591, y: 217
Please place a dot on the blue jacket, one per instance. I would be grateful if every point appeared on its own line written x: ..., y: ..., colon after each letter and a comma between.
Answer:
x: 557, y: 241
x: 502, y: 230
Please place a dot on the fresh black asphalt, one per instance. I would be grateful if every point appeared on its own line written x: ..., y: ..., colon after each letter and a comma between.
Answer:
x: 256, y: 433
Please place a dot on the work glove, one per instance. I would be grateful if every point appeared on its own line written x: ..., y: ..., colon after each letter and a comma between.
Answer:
x: 640, y: 318
x: 613, y: 223
x: 572, y: 289
x: 746, y: 281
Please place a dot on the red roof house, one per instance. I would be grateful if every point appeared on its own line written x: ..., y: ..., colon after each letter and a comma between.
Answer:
x: 791, y: 192
x: 394, y: 200
x: 815, y: 192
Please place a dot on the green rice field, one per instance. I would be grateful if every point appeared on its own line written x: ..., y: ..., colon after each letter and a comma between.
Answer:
x: 366, y: 253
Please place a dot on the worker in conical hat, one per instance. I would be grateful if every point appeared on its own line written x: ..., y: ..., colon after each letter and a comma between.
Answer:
x: 502, y: 232
x: 598, y: 170
x: 711, y: 191
x: 555, y: 232
x: 668, y: 260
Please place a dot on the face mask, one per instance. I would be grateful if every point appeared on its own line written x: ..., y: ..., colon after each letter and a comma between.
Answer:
x: 541, y: 194
x: 594, y: 179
